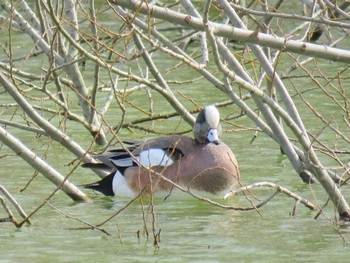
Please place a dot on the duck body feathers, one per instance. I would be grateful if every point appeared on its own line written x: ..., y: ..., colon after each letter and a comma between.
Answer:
x: 206, y: 167
x: 203, y: 164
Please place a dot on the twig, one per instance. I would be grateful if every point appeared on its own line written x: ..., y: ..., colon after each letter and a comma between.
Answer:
x: 279, y: 188
x: 16, y: 205
x: 92, y: 227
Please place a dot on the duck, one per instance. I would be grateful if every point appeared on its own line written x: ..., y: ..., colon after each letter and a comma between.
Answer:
x: 202, y: 165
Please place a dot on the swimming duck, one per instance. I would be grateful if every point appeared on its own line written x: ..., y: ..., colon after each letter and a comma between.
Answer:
x: 203, y: 165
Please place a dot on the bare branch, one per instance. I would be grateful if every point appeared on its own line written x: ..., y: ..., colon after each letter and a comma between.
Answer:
x: 37, y: 163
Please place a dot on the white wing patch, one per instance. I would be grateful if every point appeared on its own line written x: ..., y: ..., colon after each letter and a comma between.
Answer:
x: 154, y: 157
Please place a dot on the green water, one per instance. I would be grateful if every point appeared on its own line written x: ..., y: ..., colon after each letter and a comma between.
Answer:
x: 190, y: 230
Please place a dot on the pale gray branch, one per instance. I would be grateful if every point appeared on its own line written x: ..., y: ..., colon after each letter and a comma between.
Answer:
x: 234, y: 33
x: 40, y: 165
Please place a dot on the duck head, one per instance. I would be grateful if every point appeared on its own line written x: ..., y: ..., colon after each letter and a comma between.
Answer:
x: 207, y: 127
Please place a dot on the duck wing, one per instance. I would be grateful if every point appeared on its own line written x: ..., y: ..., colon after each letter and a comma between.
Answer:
x: 161, y: 151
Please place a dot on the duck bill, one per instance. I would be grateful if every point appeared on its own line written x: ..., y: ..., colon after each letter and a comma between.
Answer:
x: 213, y: 136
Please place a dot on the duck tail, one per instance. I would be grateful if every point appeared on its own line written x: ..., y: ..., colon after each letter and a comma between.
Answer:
x: 104, y: 186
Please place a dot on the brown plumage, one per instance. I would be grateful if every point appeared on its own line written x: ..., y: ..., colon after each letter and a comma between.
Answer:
x: 203, y: 164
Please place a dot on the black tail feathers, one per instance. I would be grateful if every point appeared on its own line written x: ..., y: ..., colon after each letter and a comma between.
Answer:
x: 104, y: 186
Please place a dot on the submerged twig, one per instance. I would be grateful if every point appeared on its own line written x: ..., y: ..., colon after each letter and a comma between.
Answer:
x: 280, y: 189
x: 8, y: 210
